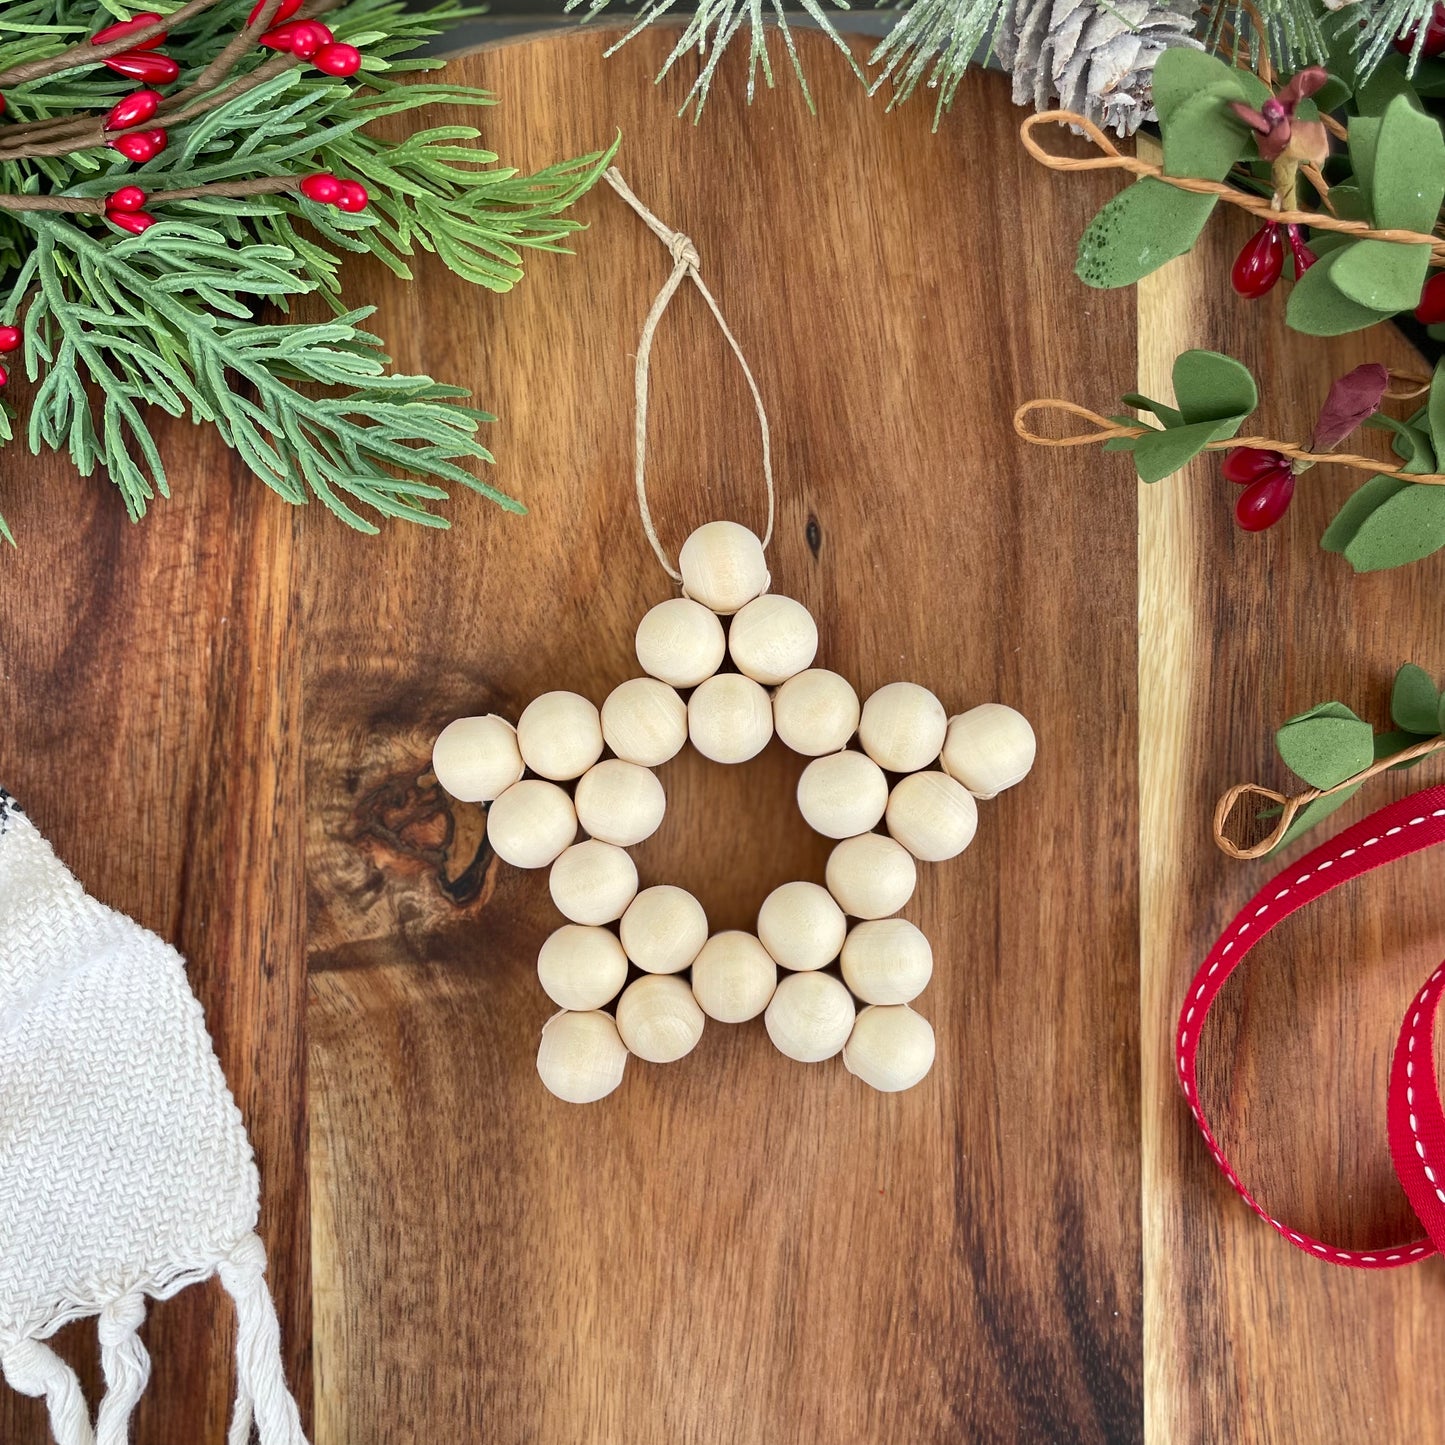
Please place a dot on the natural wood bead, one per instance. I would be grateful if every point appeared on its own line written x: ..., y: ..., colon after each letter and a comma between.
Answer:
x: 593, y: 882
x: 680, y: 642
x: 890, y: 1048
x: 772, y: 639
x: 581, y: 1057
x: 620, y: 802
x: 887, y: 961
x: 560, y: 735
x: 933, y: 816
x: 989, y: 748
x: 842, y: 795
x: 476, y: 759
x: 871, y: 876
x: 723, y: 567
x: 816, y: 712
x: 810, y: 1017
x: 801, y: 926
x: 581, y: 967
x: 734, y: 977
x: 902, y: 727
x: 663, y: 929
x: 659, y: 1019
x: 729, y: 718
x: 531, y: 823
x: 644, y: 721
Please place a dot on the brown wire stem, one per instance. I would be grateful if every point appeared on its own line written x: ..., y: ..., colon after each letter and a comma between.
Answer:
x: 1106, y: 430
x: 1290, y: 806
x: 96, y: 205
x: 1112, y: 159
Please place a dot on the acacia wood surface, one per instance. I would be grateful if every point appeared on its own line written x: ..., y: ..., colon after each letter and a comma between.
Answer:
x: 234, y: 703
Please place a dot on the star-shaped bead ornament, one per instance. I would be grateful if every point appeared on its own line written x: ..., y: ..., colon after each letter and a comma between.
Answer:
x: 832, y: 969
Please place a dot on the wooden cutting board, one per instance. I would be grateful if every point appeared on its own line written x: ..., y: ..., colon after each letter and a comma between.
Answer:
x: 223, y: 717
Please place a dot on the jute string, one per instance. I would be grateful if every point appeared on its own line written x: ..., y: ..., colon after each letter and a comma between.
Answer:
x: 685, y: 263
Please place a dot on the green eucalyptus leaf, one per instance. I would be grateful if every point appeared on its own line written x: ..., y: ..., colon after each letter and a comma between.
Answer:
x: 1411, y: 443
x: 1167, y: 414
x: 1326, y: 745
x: 1396, y: 741
x: 1415, y: 700
x: 1408, y: 182
x: 1317, y: 306
x: 1181, y: 73
x: 1386, y: 84
x: 1203, y: 137
x: 1363, y: 138
x: 1435, y: 409
x: 1374, y: 493
x: 1332, y: 94
x: 1141, y: 228
x: 1158, y: 453
x: 1210, y: 386
x: 1383, y: 276
x: 1316, y: 812
x: 1403, y: 528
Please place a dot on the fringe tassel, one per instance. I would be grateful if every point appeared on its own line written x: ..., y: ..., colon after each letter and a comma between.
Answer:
x: 35, y: 1369
x: 261, y: 1391
x: 126, y: 1366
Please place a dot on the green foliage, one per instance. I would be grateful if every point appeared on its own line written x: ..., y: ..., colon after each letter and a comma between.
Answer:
x: 174, y: 319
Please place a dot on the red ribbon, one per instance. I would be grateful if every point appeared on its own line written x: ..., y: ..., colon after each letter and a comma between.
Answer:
x: 1416, y: 1120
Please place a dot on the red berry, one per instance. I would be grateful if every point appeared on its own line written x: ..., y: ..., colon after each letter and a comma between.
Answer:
x: 1264, y: 502
x: 1260, y: 264
x: 133, y: 110
x: 9, y: 339
x: 1431, y: 310
x: 1243, y: 465
x: 127, y: 198
x: 282, y: 36
x: 142, y: 65
x: 4, y: 376
x: 322, y: 187
x: 308, y: 37
x: 353, y: 196
x: 1304, y: 258
x: 284, y: 11
x: 122, y: 28
x: 133, y: 221
x: 2, y: 105
x: 337, y: 59
x: 140, y: 145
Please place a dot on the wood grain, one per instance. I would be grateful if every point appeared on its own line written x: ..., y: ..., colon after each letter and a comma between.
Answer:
x: 737, y: 1247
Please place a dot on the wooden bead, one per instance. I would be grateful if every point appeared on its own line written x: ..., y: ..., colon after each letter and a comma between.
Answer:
x: 729, y: 718
x: 989, y: 748
x: 593, y: 882
x: 891, y: 1047
x: 902, y: 727
x: 887, y: 961
x: 723, y: 567
x: 842, y: 795
x: 810, y: 1017
x: 531, y: 823
x: 734, y: 977
x: 644, y: 721
x: 582, y: 968
x: 476, y: 759
x: 801, y: 926
x: 933, y: 816
x: 581, y: 1057
x: 772, y: 639
x: 680, y: 642
x: 659, y: 1019
x: 620, y: 802
x: 560, y: 735
x: 816, y: 712
x: 663, y: 929
x: 871, y: 876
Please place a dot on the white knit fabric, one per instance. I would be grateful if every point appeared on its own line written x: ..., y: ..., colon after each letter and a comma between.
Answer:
x: 125, y: 1170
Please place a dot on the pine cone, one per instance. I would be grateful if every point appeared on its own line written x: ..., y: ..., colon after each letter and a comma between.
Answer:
x: 1092, y: 58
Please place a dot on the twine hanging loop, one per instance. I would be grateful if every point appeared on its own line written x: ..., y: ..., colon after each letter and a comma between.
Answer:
x: 685, y: 266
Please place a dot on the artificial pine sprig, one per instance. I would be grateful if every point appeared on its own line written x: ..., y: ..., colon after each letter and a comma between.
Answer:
x: 171, y: 317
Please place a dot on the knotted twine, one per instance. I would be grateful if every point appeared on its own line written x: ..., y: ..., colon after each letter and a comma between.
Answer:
x: 685, y: 264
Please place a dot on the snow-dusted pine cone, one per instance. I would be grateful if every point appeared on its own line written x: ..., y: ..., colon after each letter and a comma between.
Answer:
x: 1091, y: 57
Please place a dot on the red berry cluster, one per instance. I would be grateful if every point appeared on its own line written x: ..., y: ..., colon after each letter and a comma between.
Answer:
x: 144, y: 63
x: 308, y: 39
x: 1268, y: 481
x: 331, y: 191
x: 9, y: 341
x: 123, y: 209
x: 1434, y: 35
x: 1261, y: 263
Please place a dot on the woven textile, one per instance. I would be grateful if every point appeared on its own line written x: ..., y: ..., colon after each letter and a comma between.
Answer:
x: 125, y: 1170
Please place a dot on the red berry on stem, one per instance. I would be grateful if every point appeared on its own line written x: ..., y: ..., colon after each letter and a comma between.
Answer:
x: 1260, y: 264
x: 122, y: 28
x: 9, y: 339
x: 1304, y: 258
x: 133, y: 110
x: 152, y: 69
x: 337, y: 59
x: 284, y: 11
x: 1431, y: 310
x: 1264, y: 502
x: 127, y: 198
x: 353, y: 196
x: 322, y: 187
x: 308, y: 37
x: 1243, y: 465
x: 133, y: 221
x: 282, y: 37
x: 4, y: 376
